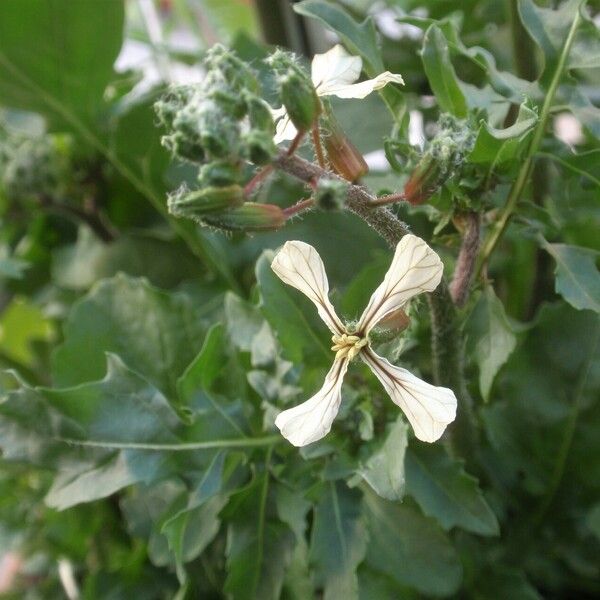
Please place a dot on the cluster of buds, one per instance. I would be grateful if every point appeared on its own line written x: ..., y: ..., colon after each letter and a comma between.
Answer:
x: 220, y: 124
x: 443, y: 157
x: 31, y: 167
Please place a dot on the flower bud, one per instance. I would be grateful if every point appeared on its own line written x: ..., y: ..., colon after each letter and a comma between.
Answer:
x: 251, y: 216
x: 219, y: 173
x: 300, y: 99
x: 330, y: 194
x: 199, y: 203
x: 343, y: 156
x: 259, y: 114
x: 259, y: 147
x: 443, y: 157
x: 182, y: 146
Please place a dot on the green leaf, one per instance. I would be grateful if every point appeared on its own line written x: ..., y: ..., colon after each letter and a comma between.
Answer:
x: 360, y: 38
x: 164, y: 262
x: 496, y: 339
x: 57, y: 57
x: 359, y: 290
x: 410, y: 549
x: 243, y: 321
x: 440, y: 72
x: 259, y: 546
x: 21, y: 324
x: 549, y: 28
x: 577, y: 277
x: 155, y: 333
x: 498, y: 146
x: 445, y: 492
x: 294, y: 319
x: 384, y: 471
x: 10, y: 267
x: 338, y: 542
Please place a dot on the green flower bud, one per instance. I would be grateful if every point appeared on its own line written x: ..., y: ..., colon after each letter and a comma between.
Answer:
x: 300, y: 99
x: 259, y: 147
x: 233, y: 70
x: 443, y: 157
x: 199, y: 203
x: 219, y: 173
x: 180, y: 145
x: 251, y: 216
x: 259, y: 114
x: 219, y: 134
x: 330, y: 194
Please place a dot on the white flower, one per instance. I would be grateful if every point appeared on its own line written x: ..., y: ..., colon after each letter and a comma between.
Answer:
x: 415, y: 268
x: 334, y: 74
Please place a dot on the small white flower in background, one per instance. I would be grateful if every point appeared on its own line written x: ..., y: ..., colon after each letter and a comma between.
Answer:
x: 415, y: 268
x: 334, y: 74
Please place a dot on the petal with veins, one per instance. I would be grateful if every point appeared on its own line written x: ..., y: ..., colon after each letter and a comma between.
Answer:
x: 299, y: 265
x: 428, y: 408
x: 362, y: 89
x: 335, y: 67
x: 415, y: 268
x: 311, y: 420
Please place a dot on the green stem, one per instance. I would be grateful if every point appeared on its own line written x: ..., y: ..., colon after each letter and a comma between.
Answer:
x: 269, y: 440
x: 525, y: 171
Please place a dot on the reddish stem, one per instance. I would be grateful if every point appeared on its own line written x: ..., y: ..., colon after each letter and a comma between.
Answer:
x: 295, y: 143
x: 318, y: 147
x: 257, y: 179
x: 299, y: 207
x: 389, y: 199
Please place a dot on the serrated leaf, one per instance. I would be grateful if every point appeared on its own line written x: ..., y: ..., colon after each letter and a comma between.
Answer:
x: 338, y: 542
x: 496, y: 342
x: 302, y: 335
x: 577, y: 277
x: 384, y: 471
x: 157, y: 334
x: 445, y: 492
x: 410, y: 549
x: 440, y: 72
x: 497, y: 146
x: 70, y: 64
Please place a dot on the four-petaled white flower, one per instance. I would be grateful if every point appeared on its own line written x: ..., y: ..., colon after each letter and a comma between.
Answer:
x: 334, y: 74
x: 415, y: 268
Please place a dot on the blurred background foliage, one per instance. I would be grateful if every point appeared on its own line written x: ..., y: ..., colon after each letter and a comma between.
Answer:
x: 161, y: 351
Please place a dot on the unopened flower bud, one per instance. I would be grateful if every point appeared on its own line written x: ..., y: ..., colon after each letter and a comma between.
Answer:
x: 443, y: 157
x: 251, y: 216
x: 343, y: 156
x: 182, y: 146
x: 259, y: 114
x: 330, y: 194
x: 219, y: 173
x: 259, y: 146
x: 300, y: 99
x: 199, y: 203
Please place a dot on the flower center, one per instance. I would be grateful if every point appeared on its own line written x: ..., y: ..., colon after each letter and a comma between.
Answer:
x: 347, y: 345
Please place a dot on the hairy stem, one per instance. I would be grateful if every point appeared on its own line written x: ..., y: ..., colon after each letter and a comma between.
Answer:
x: 465, y: 265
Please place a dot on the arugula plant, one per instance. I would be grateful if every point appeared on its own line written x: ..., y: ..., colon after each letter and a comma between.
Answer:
x: 152, y: 354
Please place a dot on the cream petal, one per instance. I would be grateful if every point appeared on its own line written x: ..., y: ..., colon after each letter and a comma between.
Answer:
x: 284, y: 128
x: 298, y: 264
x: 428, y: 408
x: 415, y: 268
x: 334, y: 68
x: 311, y: 420
x: 362, y: 89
